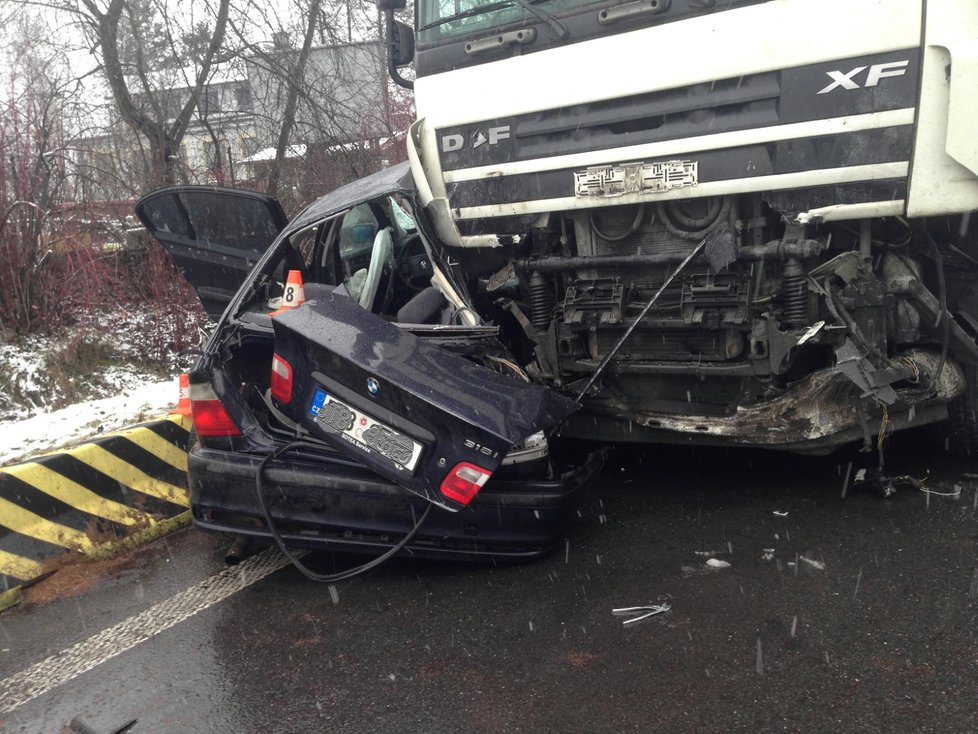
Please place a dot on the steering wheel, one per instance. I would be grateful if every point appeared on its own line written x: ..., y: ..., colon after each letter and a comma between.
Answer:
x: 413, y: 266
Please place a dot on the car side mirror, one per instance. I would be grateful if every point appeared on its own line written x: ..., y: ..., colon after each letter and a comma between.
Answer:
x: 392, y: 4
x: 401, y: 44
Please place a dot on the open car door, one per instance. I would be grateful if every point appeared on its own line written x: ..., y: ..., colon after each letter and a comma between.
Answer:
x: 215, y: 235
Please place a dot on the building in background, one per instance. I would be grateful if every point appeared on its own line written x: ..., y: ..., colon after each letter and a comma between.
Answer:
x: 343, y: 125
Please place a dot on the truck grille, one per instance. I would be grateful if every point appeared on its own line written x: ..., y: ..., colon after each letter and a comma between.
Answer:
x: 681, y: 346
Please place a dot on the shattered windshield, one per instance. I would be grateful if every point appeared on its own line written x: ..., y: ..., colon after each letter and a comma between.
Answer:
x: 439, y: 20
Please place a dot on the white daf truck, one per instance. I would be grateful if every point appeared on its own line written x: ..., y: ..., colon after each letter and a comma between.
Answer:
x: 736, y: 222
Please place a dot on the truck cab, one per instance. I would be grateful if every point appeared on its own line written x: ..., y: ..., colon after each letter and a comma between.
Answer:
x: 741, y: 223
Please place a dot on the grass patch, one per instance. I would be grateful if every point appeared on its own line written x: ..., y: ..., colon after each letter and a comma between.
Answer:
x: 75, y: 368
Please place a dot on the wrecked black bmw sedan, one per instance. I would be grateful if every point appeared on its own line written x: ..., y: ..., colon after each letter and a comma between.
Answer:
x: 336, y: 424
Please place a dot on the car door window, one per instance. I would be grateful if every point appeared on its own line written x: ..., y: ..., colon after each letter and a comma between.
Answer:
x: 165, y: 216
x: 229, y: 221
x: 303, y: 244
x: 399, y: 214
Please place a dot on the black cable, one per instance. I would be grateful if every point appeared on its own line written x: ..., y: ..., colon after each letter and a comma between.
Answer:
x: 692, y: 223
x: 303, y: 569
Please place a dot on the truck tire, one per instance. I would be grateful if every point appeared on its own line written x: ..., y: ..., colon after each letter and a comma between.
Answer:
x: 961, y: 428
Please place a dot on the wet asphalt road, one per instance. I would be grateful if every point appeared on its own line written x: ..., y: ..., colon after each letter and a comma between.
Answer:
x: 882, y: 639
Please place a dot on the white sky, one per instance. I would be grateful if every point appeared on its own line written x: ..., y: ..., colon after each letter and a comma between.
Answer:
x: 263, y: 19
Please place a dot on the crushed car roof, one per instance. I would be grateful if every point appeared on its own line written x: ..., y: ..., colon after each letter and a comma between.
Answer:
x: 394, y: 179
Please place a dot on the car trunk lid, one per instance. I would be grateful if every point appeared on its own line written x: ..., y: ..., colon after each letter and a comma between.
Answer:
x: 414, y: 412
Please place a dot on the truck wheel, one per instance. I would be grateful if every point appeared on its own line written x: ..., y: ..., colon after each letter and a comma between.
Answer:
x: 961, y: 428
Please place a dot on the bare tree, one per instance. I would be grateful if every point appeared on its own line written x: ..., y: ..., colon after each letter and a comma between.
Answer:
x: 31, y: 174
x: 129, y: 78
x: 158, y: 61
x: 322, y: 110
x: 293, y: 81
x: 45, y: 234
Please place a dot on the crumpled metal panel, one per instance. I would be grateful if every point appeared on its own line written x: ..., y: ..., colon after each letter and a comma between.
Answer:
x: 390, y: 180
x: 367, y: 375
x: 824, y: 410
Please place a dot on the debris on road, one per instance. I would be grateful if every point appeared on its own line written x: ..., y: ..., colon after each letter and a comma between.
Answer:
x: 717, y: 563
x: 956, y: 492
x: 818, y: 565
x: 642, y: 613
x: 874, y: 479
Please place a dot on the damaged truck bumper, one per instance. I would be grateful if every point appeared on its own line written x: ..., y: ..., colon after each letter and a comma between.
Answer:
x: 815, y: 415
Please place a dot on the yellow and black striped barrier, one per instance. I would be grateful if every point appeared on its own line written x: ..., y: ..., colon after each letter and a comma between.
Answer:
x: 120, y: 489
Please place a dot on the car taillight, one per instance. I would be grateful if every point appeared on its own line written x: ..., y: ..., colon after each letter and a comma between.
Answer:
x: 210, y: 416
x: 281, y: 379
x: 463, y: 482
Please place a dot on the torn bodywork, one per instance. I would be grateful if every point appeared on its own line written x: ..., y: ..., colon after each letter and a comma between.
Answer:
x: 814, y: 415
x: 802, y: 342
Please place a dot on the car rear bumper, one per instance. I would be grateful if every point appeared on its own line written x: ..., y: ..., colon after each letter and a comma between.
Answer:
x: 336, y: 505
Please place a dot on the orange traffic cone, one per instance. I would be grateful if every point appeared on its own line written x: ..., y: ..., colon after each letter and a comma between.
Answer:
x: 183, y: 406
x: 294, y: 294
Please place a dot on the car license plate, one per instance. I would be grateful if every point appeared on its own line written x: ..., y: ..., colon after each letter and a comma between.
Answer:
x: 364, y: 432
x: 632, y: 178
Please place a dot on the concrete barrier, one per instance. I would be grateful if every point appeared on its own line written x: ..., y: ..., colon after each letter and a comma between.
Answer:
x: 115, y: 491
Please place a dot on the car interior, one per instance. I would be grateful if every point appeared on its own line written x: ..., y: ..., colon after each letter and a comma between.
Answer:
x: 373, y: 254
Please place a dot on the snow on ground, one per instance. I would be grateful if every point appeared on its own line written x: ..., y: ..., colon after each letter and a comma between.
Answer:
x: 108, y: 371
x: 45, y: 432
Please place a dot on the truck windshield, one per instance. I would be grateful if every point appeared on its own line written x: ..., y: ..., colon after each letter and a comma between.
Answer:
x: 441, y: 20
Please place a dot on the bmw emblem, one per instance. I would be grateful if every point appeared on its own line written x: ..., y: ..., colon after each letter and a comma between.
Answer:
x: 373, y: 387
